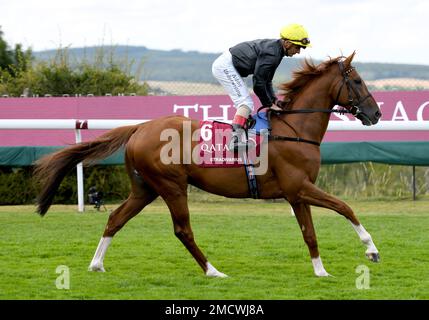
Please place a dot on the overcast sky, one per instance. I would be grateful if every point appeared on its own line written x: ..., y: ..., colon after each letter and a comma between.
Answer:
x: 379, y: 30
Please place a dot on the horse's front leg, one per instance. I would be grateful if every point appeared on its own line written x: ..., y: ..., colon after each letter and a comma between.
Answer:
x: 303, y: 215
x: 314, y: 196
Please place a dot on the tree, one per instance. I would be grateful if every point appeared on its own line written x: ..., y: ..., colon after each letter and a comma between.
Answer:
x: 13, y: 61
x: 5, y: 53
x: 20, y: 74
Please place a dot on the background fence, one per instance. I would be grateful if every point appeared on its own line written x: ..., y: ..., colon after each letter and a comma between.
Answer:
x: 197, y: 88
x: 180, y: 88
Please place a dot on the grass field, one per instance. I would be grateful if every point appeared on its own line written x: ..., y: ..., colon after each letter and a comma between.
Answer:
x: 258, y: 244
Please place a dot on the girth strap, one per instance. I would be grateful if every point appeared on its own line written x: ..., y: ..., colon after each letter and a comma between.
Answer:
x: 251, y: 180
x: 251, y: 177
x: 297, y: 139
x: 249, y: 168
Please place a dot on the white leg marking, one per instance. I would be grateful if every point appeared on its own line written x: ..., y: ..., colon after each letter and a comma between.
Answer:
x: 212, y: 272
x: 97, y: 261
x: 366, y: 239
x: 319, y: 270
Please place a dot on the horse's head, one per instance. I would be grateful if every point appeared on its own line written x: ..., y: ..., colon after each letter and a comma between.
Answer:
x: 350, y: 91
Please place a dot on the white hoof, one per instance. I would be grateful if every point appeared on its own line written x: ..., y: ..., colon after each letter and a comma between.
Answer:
x: 216, y: 274
x: 212, y: 272
x: 96, y: 267
x: 323, y: 274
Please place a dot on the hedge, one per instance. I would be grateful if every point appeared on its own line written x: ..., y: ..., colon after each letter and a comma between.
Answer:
x: 17, y: 186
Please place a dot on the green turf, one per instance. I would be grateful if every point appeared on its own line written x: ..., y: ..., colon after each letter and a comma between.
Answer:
x: 258, y: 244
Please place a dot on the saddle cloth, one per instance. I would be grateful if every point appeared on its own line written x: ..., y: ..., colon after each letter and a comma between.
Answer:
x: 213, y: 146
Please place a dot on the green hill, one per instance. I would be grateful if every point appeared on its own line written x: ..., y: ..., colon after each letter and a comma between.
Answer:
x: 193, y: 66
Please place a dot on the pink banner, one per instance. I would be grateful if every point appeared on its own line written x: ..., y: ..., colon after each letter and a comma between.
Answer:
x: 395, y: 106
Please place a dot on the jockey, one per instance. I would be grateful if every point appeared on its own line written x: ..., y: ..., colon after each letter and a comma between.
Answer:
x: 261, y: 59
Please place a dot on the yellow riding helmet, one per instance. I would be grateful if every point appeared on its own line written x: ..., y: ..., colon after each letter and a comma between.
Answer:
x: 296, y: 34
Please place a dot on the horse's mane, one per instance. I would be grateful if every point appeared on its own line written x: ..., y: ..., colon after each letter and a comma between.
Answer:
x: 301, y: 77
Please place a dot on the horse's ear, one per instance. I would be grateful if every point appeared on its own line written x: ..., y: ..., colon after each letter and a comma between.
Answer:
x: 349, y: 59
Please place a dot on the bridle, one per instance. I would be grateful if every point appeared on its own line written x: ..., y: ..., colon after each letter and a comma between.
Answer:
x: 355, y: 107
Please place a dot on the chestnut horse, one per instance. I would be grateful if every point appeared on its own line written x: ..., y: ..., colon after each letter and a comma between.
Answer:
x: 293, y: 164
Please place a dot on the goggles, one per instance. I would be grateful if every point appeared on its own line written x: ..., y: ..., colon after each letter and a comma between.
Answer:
x: 304, y: 41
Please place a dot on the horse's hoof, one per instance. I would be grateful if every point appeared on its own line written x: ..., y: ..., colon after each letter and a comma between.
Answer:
x: 217, y: 275
x: 212, y: 272
x: 96, y: 268
x: 322, y: 274
x: 373, y: 256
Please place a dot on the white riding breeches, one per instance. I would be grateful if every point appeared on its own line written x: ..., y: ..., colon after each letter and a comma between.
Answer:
x: 224, y: 71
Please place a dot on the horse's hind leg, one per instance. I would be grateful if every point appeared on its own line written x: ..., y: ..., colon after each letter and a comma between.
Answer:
x: 117, y: 219
x: 140, y: 196
x: 177, y: 203
x: 314, y: 196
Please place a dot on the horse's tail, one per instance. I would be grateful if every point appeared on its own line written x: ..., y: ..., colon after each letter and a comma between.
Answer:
x: 51, y: 169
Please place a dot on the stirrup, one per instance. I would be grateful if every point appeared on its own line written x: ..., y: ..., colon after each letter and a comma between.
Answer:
x: 239, y: 140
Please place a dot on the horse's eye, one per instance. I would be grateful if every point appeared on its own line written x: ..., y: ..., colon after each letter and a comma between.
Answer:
x: 357, y: 81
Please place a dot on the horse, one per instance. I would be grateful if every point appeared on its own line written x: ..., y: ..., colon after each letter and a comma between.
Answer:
x: 294, y: 161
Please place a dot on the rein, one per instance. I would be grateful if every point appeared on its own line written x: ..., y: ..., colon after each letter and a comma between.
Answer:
x: 354, y: 110
x: 296, y: 139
